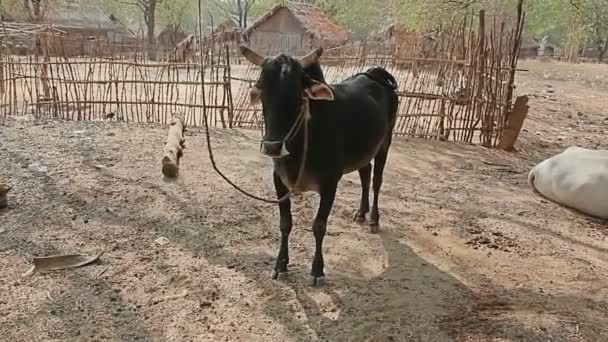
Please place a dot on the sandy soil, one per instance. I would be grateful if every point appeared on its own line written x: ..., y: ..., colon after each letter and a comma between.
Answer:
x: 466, y: 251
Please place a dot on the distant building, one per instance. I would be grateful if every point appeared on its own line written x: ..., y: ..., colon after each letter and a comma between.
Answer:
x: 294, y: 28
x: 87, y: 19
x: 78, y: 24
x: 170, y: 36
x: 529, y: 47
x: 547, y: 49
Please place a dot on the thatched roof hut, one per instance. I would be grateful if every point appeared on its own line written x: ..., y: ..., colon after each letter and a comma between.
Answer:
x: 529, y: 47
x: 396, y: 34
x: 295, y: 28
x: 80, y: 23
x: 170, y: 36
x: 87, y: 18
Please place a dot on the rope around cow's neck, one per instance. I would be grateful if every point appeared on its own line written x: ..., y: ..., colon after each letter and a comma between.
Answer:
x: 305, y: 110
x: 304, y: 117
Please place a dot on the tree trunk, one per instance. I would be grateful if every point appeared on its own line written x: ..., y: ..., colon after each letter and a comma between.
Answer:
x: 151, y: 25
x: 245, y: 15
x: 602, y: 52
x: 240, y: 11
x: 36, y: 10
x: 31, y: 10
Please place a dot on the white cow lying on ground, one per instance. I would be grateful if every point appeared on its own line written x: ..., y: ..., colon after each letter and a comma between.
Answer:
x: 576, y: 178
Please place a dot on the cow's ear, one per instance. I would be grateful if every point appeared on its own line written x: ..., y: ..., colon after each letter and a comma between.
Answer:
x: 319, y: 91
x: 255, y: 95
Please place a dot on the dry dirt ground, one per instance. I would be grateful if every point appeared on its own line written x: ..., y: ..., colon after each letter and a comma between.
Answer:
x: 466, y: 251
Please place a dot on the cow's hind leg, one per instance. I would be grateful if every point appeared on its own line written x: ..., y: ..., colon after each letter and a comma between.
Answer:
x: 365, y: 174
x: 319, y: 227
x: 285, y: 226
x: 379, y: 163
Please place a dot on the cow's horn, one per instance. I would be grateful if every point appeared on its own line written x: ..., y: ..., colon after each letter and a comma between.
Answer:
x: 311, y: 57
x: 251, y: 55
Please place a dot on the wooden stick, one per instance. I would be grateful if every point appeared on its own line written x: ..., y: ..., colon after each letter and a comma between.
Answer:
x: 174, y: 147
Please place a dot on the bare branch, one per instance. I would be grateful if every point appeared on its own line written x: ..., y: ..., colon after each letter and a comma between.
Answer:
x: 137, y: 3
x: 226, y: 8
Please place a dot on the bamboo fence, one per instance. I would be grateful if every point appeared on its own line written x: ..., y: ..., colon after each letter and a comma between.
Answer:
x: 457, y: 86
x: 125, y: 87
x: 460, y: 88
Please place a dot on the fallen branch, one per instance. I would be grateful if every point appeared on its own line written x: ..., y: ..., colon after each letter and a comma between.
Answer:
x: 494, y: 164
x: 174, y: 147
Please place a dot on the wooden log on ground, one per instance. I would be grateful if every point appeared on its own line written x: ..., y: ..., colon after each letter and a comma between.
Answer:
x: 174, y: 146
x: 515, y: 122
x: 4, y: 189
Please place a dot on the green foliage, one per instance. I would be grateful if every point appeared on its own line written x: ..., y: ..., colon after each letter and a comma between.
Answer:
x: 570, y: 22
x: 181, y: 13
x: 263, y: 6
x: 552, y: 18
x: 11, y: 7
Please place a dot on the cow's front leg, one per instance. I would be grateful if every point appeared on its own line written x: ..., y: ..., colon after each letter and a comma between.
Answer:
x: 285, y: 226
x: 319, y: 227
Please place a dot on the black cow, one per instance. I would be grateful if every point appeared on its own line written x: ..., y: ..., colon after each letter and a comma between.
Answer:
x: 348, y: 125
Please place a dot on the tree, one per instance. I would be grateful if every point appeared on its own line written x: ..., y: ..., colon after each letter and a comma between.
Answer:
x: 148, y: 9
x: 237, y: 10
x: 595, y: 17
x: 34, y: 9
x: 176, y: 12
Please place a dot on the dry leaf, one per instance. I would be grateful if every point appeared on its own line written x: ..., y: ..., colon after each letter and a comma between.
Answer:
x: 61, y: 262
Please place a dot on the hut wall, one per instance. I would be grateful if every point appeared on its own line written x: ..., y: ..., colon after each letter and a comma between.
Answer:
x: 528, y: 52
x: 281, y: 33
x: 589, y: 52
x: 282, y: 21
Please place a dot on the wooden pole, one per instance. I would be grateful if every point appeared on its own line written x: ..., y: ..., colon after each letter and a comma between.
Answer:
x: 521, y: 15
x: 174, y: 146
x: 515, y: 122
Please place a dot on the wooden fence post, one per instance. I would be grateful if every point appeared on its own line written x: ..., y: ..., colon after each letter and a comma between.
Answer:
x: 515, y: 122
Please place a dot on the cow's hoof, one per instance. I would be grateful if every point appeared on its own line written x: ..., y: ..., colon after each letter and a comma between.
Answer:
x: 374, y: 228
x: 278, y: 275
x: 359, y: 218
x: 316, y: 281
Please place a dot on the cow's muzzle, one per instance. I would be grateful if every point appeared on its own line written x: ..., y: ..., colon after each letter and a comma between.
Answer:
x: 277, y: 149
x: 274, y: 149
